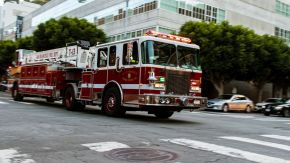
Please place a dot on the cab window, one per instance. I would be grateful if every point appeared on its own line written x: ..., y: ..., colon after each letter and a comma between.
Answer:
x: 130, y: 53
x: 102, y: 57
x: 112, y: 56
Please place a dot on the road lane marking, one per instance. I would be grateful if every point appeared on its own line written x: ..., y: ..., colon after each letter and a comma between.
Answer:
x: 226, y: 115
x: 26, y: 103
x: 105, y: 146
x: 5, y: 98
x: 4, y: 103
x: 258, y: 142
x: 232, y: 152
x: 272, y: 120
x: 277, y: 137
x: 13, y: 156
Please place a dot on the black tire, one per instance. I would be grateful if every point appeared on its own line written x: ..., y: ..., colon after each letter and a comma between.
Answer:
x: 70, y: 101
x: 50, y: 100
x: 225, y: 108
x: 286, y: 112
x: 111, y: 105
x: 163, y: 114
x: 266, y: 113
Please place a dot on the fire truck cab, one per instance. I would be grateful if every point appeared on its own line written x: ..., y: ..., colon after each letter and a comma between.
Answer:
x: 157, y: 73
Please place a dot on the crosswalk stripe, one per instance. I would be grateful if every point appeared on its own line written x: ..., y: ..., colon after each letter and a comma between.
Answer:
x: 277, y: 137
x: 259, y: 142
x: 105, y: 146
x: 232, y: 152
x: 12, y: 155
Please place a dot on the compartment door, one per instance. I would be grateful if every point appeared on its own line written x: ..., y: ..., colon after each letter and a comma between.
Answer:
x: 86, y: 87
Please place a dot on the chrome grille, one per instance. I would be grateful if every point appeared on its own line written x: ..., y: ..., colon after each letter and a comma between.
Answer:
x: 177, y: 82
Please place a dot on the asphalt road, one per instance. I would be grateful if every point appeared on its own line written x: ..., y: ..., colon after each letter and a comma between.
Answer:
x: 34, y: 131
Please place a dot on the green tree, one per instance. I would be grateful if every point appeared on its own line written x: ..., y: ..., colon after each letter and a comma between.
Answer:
x: 56, y: 33
x: 271, y: 63
x: 25, y: 43
x: 224, y: 50
x: 7, y: 55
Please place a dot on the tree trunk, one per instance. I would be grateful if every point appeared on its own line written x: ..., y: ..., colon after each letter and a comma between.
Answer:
x: 259, y: 88
x: 219, y: 86
x: 277, y: 90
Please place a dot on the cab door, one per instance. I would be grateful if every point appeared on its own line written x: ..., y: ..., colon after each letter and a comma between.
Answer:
x: 100, y: 74
x: 125, y: 69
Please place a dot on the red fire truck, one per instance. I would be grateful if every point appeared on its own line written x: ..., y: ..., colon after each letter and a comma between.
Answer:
x: 158, y: 73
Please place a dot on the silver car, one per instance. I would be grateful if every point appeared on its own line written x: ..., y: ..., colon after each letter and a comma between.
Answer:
x: 229, y: 102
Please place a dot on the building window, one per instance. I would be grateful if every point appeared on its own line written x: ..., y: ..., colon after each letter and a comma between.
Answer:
x: 166, y: 30
x: 193, y: 9
x: 121, y: 13
x: 282, y: 8
x: 283, y: 34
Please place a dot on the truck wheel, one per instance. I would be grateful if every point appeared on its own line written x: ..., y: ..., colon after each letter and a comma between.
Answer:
x: 163, y: 114
x: 112, y: 103
x: 70, y: 101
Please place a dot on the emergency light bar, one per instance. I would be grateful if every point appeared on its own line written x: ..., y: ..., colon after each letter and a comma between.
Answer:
x: 168, y: 36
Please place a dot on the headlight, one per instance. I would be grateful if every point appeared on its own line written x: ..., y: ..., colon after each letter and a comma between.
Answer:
x: 264, y: 106
x: 194, y: 88
x: 278, y: 107
x: 159, y: 85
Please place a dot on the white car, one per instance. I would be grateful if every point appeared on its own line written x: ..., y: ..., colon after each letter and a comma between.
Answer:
x: 227, y: 102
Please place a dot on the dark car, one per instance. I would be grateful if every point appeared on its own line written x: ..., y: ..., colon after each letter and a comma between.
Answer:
x: 3, y: 86
x: 283, y: 109
x: 261, y: 106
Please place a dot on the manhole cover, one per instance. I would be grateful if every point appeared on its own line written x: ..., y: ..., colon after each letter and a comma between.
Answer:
x: 141, y: 154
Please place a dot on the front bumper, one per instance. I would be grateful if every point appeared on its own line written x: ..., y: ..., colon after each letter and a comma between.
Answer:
x: 179, y: 101
x: 214, y: 107
x: 259, y: 108
x: 273, y: 111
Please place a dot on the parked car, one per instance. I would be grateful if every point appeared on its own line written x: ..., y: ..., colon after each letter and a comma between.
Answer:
x: 3, y: 86
x: 229, y: 102
x: 283, y: 109
x: 261, y: 106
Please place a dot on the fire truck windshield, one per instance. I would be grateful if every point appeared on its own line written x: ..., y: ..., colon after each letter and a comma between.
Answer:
x: 160, y: 53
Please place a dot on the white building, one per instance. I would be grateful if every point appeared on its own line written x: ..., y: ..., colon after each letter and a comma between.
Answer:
x: 9, y: 12
x: 130, y: 18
